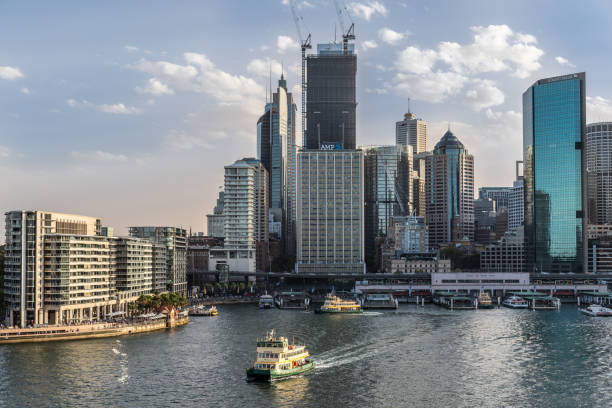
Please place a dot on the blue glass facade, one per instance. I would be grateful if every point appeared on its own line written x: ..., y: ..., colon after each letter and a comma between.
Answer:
x: 553, y: 131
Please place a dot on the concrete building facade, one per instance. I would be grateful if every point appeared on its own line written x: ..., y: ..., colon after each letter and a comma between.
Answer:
x: 599, y: 172
x: 330, y: 222
x: 411, y: 132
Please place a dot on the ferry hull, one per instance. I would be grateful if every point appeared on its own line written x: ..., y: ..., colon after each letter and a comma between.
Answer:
x: 486, y: 306
x: 321, y: 311
x: 516, y: 306
x: 271, y: 375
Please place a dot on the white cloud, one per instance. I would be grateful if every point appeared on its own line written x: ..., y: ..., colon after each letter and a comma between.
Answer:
x: 368, y: 44
x: 285, y: 43
x: 10, y: 73
x: 262, y: 68
x: 25, y: 91
x: 495, y: 48
x: 564, y: 62
x: 131, y: 48
x: 200, y: 75
x: 4, y: 151
x: 598, y: 109
x: 117, y: 108
x: 416, y: 61
x: 389, y: 36
x: 99, y: 156
x: 483, y: 94
x: 367, y: 9
x: 431, y: 86
x: 155, y: 87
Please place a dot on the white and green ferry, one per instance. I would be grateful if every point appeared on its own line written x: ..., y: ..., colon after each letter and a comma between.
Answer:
x: 277, y: 359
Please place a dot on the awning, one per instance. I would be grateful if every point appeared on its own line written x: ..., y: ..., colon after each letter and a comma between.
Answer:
x: 113, y: 314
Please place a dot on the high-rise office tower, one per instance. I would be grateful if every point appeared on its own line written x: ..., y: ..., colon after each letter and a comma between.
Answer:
x: 500, y: 195
x: 516, y: 202
x: 599, y: 172
x: 388, y: 192
x: 450, y: 192
x: 330, y: 212
x: 553, y: 156
x: 419, y: 196
x: 411, y: 132
x: 331, y: 101
x: 215, y: 222
x: 276, y: 150
x: 175, y: 241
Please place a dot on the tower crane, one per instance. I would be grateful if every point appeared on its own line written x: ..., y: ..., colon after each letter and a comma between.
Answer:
x: 304, y: 45
x: 346, y: 34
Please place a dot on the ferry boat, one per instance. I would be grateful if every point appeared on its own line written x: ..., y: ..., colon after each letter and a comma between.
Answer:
x: 334, y: 304
x: 596, y: 311
x: 515, y: 302
x: 484, y: 301
x: 277, y: 359
x: 266, y: 302
x: 203, y: 311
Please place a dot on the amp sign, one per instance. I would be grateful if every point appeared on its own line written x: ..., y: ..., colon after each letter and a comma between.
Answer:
x: 331, y: 146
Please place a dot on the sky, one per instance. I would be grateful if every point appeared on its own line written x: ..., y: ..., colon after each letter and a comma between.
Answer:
x: 128, y: 111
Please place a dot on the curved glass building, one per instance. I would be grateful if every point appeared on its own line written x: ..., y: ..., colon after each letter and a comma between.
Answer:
x: 553, y: 130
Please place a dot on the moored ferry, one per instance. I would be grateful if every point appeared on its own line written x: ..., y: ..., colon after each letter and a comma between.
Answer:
x: 334, y: 304
x: 484, y: 301
x: 596, y: 311
x: 515, y: 302
x: 277, y: 359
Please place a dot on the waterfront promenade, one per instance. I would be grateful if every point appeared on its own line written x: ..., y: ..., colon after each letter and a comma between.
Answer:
x: 87, y: 331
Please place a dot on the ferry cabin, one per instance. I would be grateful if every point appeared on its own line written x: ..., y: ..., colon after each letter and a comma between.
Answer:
x: 279, y: 355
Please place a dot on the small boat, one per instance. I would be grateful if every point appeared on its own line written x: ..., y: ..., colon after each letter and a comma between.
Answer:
x: 484, y: 301
x: 596, y: 311
x: 266, y: 302
x: 515, y: 302
x: 203, y: 311
x: 334, y: 304
x: 277, y: 359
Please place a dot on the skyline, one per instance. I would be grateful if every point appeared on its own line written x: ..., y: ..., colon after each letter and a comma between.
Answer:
x: 164, y: 110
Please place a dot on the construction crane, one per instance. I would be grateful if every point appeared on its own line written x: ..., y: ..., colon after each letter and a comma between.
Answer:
x: 305, y: 44
x: 346, y: 34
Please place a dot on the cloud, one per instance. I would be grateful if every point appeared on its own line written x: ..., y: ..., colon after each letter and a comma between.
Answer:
x: 262, y: 68
x: 368, y: 44
x: 25, y: 91
x: 131, y: 48
x: 389, y: 36
x: 4, y: 151
x: 431, y: 86
x: 285, y: 43
x: 10, y: 73
x: 99, y: 156
x: 495, y: 48
x: 436, y: 74
x: 416, y: 61
x: 366, y: 10
x: 484, y: 94
x: 200, y: 75
x: 155, y: 87
x: 598, y: 109
x: 117, y: 108
x: 564, y: 62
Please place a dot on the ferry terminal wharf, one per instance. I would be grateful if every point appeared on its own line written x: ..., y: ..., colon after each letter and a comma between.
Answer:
x: 408, y: 288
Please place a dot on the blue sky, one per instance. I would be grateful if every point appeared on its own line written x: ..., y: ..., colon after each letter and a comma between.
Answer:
x: 129, y: 110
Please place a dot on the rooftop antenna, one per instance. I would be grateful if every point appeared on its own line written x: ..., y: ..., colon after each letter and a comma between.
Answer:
x: 449, y: 125
x: 409, y: 105
x: 270, y: 82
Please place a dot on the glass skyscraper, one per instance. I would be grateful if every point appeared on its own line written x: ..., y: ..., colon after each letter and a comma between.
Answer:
x: 553, y: 132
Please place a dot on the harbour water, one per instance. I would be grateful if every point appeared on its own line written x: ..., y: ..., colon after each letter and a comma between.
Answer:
x: 412, y: 356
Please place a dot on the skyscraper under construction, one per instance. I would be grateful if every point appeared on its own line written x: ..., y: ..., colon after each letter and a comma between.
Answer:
x: 331, y: 100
